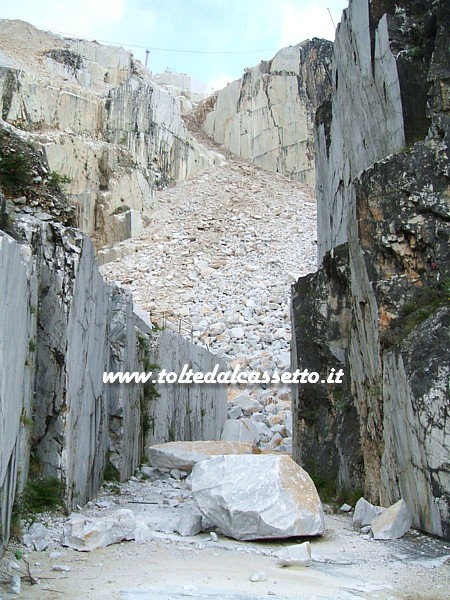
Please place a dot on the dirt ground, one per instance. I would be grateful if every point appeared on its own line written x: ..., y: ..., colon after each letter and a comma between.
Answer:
x: 346, y: 565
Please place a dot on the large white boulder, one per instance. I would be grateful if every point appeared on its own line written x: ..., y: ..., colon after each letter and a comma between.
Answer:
x: 184, y: 455
x: 392, y: 523
x: 257, y: 497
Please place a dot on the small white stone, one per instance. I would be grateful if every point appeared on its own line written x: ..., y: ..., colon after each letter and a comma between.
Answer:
x: 261, y: 576
x: 237, y: 332
x: 61, y: 568
x: 15, y: 586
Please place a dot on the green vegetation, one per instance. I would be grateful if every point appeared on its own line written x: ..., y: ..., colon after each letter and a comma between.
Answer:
x: 15, y: 172
x: 66, y: 57
x: 150, y: 390
x: 325, y: 487
x: 426, y: 301
x: 56, y: 181
x: 42, y: 494
x: 26, y: 421
x: 444, y: 288
x: 110, y: 473
x: 171, y: 433
x: 330, y: 494
x: 120, y: 210
x: 148, y: 424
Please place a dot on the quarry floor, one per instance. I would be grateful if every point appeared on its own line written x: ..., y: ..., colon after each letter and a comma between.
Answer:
x: 346, y: 565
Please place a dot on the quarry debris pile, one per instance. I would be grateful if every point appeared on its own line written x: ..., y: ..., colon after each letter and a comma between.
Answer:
x: 220, y: 253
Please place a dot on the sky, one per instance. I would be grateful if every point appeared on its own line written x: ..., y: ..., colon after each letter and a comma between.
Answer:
x: 211, y: 40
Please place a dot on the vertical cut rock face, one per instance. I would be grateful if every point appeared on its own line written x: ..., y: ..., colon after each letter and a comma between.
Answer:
x: 268, y: 115
x: 61, y: 327
x: 378, y: 306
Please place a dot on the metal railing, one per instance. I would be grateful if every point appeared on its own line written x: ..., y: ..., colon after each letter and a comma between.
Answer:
x: 166, y: 320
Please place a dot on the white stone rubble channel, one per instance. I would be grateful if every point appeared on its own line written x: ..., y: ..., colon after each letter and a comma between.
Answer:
x: 220, y: 252
x: 174, y: 552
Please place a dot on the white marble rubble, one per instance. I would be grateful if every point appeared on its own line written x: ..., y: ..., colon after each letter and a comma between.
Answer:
x: 365, y: 512
x: 382, y: 523
x: 209, y: 263
x: 85, y: 534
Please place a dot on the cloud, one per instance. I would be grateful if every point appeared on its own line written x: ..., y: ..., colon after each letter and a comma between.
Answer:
x: 89, y: 18
x: 304, y: 22
x: 219, y: 83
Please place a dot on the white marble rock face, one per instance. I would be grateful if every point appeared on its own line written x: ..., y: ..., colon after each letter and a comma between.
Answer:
x: 267, y: 116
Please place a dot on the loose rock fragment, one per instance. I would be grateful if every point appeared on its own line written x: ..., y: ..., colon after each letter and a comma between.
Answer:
x: 298, y: 555
x: 393, y: 523
x: 365, y: 512
x: 189, y: 523
x: 15, y: 586
x: 36, y: 537
x: 85, y: 534
x: 261, y: 576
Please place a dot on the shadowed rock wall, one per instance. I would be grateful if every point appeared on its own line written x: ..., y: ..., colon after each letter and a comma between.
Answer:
x: 380, y: 300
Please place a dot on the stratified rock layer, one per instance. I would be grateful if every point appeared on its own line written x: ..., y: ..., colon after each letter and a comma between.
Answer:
x: 268, y: 115
x: 102, y: 123
x: 257, y: 497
